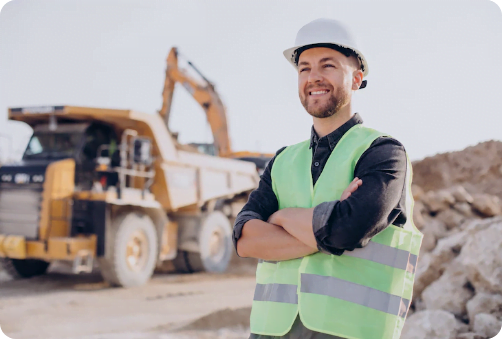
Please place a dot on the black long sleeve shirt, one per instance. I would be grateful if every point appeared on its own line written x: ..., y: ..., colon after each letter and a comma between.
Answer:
x: 351, y: 223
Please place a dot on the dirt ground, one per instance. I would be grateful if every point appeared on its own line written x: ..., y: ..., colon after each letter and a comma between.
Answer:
x: 61, y: 305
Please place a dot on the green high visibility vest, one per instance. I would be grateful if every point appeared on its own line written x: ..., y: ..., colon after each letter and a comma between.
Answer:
x: 362, y: 294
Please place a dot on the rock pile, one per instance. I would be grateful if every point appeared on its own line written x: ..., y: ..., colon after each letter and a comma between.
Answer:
x: 478, y: 168
x: 458, y: 284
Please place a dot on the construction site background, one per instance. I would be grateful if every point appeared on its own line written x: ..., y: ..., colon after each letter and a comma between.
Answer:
x: 458, y: 288
x: 425, y: 88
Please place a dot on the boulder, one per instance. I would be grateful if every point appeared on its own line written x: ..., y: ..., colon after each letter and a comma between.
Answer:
x: 438, y: 228
x: 487, y: 205
x: 486, y: 325
x: 432, y: 265
x: 448, y: 249
x: 430, y: 324
x: 428, y: 241
x: 449, y: 292
x: 424, y: 274
x: 451, y: 218
x: 473, y: 226
x: 418, y: 304
x: 454, y: 241
x: 460, y: 194
x: 484, y: 303
x: 462, y: 327
x: 417, y: 192
x: 482, y: 259
x: 438, y: 201
x: 464, y: 208
x: 434, y: 229
x: 446, y: 197
x: 469, y: 335
x: 418, y: 218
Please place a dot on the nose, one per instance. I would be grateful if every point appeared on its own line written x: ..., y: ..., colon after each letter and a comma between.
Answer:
x: 314, y: 76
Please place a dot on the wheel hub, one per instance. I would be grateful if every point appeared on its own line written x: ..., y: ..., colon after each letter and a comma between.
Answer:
x: 216, y: 248
x: 137, y: 251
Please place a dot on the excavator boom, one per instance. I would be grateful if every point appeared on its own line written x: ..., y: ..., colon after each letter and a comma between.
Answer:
x: 204, y: 94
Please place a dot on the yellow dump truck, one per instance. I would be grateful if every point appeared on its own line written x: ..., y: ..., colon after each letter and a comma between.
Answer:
x: 114, y: 186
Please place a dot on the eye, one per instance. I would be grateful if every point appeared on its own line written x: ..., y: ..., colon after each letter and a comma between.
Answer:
x: 329, y: 65
x: 304, y: 69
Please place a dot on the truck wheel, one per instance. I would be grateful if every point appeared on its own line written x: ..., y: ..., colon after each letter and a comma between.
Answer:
x: 182, y: 262
x: 27, y: 268
x: 215, y: 246
x: 132, y: 253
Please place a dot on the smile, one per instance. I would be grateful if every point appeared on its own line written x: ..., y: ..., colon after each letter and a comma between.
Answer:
x: 319, y: 92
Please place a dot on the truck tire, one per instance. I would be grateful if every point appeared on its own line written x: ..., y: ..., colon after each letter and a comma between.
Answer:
x: 215, y: 247
x: 182, y: 262
x: 23, y: 268
x: 132, y: 253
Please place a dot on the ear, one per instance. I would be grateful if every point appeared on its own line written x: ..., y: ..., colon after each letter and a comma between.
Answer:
x: 357, y: 79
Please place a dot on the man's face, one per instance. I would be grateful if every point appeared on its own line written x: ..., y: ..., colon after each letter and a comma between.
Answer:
x: 325, y: 80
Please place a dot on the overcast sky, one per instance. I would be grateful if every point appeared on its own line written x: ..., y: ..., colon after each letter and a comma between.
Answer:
x: 434, y: 81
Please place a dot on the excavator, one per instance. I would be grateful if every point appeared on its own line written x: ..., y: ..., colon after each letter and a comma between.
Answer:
x: 204, y: 92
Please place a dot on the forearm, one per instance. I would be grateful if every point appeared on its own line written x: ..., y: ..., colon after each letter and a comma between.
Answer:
x: 298, y: 223
x: 266, y: 241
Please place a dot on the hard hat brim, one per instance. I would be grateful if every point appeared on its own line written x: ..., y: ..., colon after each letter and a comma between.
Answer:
x: 289, y: 54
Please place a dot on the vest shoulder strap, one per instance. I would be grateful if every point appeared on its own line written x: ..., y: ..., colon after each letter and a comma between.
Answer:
x: 292, y: 149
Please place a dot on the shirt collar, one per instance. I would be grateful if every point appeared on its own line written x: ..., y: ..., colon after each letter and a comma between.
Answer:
x: 337, y: 134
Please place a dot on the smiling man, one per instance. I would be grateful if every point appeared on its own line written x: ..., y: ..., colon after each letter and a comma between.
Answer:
x: 331, y: 220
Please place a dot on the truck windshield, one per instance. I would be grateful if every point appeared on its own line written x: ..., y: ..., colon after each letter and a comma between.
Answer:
x: 52, y: 145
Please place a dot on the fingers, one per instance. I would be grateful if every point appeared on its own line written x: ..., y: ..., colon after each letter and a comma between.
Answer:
x: 354, y: 185
x: 345, y: 195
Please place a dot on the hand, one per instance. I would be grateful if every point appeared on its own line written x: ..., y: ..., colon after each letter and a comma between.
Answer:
x: 353, y: 186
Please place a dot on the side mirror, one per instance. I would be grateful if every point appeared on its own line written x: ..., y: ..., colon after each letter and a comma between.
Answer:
x: 142, y: 151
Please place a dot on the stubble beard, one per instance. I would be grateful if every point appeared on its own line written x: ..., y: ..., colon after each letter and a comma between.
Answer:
x: 332, y: 106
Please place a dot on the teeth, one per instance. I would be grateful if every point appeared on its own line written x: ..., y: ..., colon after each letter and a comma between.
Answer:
x: 319, y: 92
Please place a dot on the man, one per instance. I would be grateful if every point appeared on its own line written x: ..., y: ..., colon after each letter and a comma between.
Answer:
x: 331, y: 220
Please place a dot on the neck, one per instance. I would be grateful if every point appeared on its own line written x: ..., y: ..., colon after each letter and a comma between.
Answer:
x: 324, y: 126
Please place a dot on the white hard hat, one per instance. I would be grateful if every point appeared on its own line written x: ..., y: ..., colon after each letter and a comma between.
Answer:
x: 323, y: 33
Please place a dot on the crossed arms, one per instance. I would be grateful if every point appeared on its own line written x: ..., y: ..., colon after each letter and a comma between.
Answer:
x: 288, y: 234
x: 261, y: 231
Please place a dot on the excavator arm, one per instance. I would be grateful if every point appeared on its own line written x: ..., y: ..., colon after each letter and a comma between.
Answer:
x: 204, y: 93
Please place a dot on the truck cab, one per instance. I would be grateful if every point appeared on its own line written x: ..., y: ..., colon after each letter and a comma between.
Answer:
x: 69, y: 140
x: 75, y: 140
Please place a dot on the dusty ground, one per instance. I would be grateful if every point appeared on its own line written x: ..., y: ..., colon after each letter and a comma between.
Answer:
x: 60, y: 305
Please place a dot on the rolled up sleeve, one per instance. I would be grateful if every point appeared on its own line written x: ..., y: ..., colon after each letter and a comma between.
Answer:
x: 261, y: 204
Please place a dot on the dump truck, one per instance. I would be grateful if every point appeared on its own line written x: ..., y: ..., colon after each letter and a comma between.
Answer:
x: 115, y: 187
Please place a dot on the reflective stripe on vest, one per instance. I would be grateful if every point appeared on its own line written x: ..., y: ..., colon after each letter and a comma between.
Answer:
x: 358, y: 294
x: 280, y: 293
x: 386, y: 255
x: 362, y: 294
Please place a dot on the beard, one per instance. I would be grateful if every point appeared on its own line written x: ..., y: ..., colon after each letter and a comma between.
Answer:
x: 334, y: 103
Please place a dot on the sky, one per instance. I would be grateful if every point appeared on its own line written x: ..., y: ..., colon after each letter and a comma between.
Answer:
x: 434, y: 66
